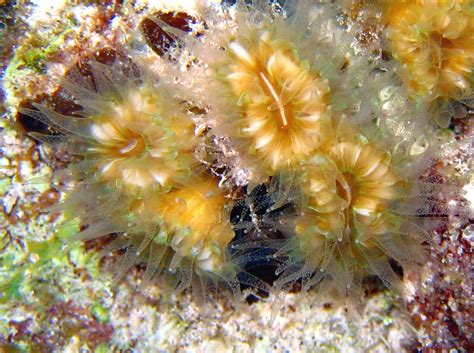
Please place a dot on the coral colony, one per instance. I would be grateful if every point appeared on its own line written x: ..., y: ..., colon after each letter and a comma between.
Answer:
x: 257, y: 137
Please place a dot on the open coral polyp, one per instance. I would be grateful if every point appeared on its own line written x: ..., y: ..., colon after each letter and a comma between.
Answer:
x: 136, y: 141
x: 195, y: 220
x: 348, y: 226
x: 433, y: 41
x: 282, y: 100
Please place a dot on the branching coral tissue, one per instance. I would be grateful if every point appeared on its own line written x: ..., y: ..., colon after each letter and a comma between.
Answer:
x: 255, y: 148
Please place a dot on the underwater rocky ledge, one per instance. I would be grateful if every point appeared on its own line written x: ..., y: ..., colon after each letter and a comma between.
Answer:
x: 62, y: 295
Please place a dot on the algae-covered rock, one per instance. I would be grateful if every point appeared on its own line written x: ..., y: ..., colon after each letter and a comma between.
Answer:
x: 58, y: 294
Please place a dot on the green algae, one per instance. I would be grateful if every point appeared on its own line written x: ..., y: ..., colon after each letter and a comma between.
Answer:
x: 5, y: 185
x: 42, y: 279
x: 40, y: 287
x: 100, y: 313
x: 37, y: 48
x: 103, y: 348
x: 52, y: 290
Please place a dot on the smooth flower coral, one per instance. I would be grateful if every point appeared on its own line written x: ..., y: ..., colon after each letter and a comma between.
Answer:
x: 348, y: 227
x: 433, y: 41
x: 282, y: 100
x: 351, y: 181
x: 136, y: 140
x: 196, y: 222
x: 285, y: 106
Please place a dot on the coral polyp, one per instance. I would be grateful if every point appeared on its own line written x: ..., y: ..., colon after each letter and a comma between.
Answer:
x: 350, y: 224
x: 350, y: 180
x: 137, y: 139
x: 272, y: 80
x: 196, y: 221
x: 266, y: 147
x: 282, y: 100
x: 180, y: 236
x: 364, y: 182
x: 433, y: 42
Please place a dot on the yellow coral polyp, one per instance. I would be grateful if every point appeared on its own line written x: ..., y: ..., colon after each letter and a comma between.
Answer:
x: 365, y: 182
x: 282, y: 100
x: 140, y: 142
x: 317, y: 237
x: 350, y: 189
x: 196, y: 219
x: 351, y: 176
x: 433, y: 41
